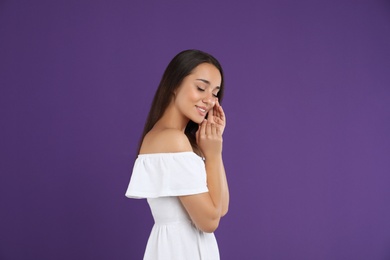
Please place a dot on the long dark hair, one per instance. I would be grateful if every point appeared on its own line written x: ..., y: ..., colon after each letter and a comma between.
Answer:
x: 180, y: 67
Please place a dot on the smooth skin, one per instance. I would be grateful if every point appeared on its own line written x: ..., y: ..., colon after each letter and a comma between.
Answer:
x: 193, y: 100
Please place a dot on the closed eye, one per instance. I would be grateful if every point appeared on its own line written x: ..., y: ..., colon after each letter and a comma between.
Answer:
x: 202, y: 90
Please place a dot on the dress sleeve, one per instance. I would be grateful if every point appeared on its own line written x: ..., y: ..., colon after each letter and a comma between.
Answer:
x: 167, y: 174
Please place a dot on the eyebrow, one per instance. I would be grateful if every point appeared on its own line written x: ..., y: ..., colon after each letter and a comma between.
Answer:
x: 208, y: 82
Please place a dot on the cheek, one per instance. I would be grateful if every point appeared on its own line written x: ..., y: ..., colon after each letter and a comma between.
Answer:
x: 186, y: 99
x: 189, y: 95
x: 194, y: 95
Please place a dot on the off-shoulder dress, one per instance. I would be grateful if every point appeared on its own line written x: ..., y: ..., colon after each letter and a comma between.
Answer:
x: 161, y: 178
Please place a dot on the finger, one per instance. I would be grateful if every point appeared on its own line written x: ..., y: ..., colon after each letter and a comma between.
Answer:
x: 208, y: 129
x: 210, y: 115
x: 221, y: 114
x: 203, y: 130
x: 216, y: 107
x: 220, y: 118
x: 213, y: 129
x: 218, y: 121
x: 218, y: 131
x: 215, y: 111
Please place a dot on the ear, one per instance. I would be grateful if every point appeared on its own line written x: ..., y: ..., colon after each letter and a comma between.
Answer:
x: 173, y: 95
x: 174, y: 92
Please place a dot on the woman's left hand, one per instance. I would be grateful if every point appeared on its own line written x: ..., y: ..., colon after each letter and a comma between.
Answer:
x: 217, y: 116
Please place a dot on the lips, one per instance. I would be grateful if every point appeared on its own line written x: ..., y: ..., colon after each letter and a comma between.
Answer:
x: 202, y: 110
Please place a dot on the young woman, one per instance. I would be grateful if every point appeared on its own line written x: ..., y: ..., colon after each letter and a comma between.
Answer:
x: 179, y: 168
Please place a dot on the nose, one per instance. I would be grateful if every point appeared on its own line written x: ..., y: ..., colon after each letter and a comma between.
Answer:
x: 209, y: 100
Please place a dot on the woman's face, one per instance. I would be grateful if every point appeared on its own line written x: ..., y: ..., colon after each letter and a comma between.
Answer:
x: 198, y: 92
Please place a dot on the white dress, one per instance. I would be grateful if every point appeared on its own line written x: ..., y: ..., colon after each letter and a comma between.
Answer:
x: 161, y: 178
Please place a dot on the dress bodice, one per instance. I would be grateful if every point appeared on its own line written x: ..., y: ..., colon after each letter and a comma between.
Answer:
x: 168, y: 210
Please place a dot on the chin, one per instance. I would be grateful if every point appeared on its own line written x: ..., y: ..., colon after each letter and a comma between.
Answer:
x: 198, y: 120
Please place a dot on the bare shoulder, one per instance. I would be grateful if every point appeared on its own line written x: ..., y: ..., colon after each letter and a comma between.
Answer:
x: 165, y: 141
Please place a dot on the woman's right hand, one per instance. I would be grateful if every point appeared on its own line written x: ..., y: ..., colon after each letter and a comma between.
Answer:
x: 217, y: 115
x: 209, y: 139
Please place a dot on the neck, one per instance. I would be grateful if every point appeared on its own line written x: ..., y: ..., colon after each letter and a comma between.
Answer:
x: 172, y: 119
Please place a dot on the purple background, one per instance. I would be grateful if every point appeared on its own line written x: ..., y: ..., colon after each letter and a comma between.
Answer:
x: 307, y: 147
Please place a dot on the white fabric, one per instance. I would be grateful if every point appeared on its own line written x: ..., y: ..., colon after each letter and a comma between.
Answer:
x: 161, y: 178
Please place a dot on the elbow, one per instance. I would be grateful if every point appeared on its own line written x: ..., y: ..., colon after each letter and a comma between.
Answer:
x: 210, y: 227
x: 224, y: 212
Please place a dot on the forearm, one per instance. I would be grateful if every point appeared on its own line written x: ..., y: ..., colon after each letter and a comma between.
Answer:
x: 216, y: 182
x: 225, y: 193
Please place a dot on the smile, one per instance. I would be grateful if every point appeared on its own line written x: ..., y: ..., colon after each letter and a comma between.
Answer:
x: 201, y: 110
